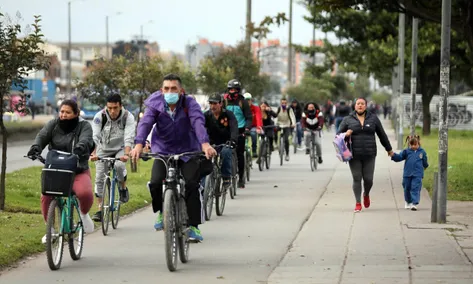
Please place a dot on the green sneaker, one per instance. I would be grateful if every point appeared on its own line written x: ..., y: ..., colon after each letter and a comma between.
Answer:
x: 195, y: 235
x: 158, y: 224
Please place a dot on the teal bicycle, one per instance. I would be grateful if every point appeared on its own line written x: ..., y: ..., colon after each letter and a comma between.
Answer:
x: 63, y: 222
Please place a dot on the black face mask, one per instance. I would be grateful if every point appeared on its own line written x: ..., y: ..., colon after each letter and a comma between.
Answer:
x: 68, y: 125
x: 311, y: 113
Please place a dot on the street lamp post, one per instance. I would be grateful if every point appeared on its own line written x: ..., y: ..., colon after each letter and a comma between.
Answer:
x: 69, y: 48
x: 106, y: 33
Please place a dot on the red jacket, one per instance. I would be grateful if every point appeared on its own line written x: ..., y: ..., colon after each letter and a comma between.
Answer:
x: 257, y: 117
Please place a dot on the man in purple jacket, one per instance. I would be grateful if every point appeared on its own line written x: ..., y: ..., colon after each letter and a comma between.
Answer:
x: 180, y: 127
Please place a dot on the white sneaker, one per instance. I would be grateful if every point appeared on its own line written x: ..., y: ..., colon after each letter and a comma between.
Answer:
x: 43, y: 239
x: 87, y: 223
x: 414, y: 208
x: 407, y: 205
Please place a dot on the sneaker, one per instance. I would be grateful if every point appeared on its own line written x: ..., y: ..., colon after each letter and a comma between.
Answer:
x: 357, y: 207
x: 87, y: 223
x: 43, y: 239
x: 97, y: 216
x: 407, y: 205
x: 320, y: 160
x: 124, y: 195
x: 287, y: 158
x: 307, y: 151
x: 366, y: 201
x: 241, y: 184
x: 414, y: 207
x: 158, y: 224
x: 195, y: 235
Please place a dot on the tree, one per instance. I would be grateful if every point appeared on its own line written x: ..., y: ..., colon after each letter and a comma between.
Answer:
x: 312, y: 89
x: 369, y: 46
x: 18, y: 57
x: 261, y: 31
x: 462, y: 12
x: 233, y: 63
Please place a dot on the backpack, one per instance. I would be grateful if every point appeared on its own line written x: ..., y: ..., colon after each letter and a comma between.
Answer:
x: 104, y: 119
x: 341, y: 148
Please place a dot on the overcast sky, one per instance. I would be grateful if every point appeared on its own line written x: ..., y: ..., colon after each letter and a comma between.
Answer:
x: 175, y: 22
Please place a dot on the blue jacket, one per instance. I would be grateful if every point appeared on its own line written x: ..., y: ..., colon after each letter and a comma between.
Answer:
x: 416, y: 162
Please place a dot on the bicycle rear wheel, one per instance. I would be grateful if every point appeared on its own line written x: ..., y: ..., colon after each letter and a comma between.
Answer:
x: 115, y: 210
x: 261, y: 156
x: 170, y: 229
x: 106, y: 207
x: 221, y: 197
x: 54, y: 236
x: 76, y: 237
x: 281, y: 150
x: 209, y: 190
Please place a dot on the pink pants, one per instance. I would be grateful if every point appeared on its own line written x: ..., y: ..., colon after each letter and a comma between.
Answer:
x: 83, y: 189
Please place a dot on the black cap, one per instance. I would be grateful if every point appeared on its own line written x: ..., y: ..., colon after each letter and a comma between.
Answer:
x: 215, y: 98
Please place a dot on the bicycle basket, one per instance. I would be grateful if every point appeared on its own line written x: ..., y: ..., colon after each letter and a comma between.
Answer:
x: 58, y: 173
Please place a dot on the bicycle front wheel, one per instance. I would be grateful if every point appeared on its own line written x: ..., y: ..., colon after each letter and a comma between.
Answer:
x: 248, y: 165
x: 170, y: 229
x: 54, y: 236
x: 209, y: 190
x: 221, y: 197
x: 76, y: 237
x: 281, y: 151
x: 261, y: 156
x: 106, y: 207
x: 115, y: 207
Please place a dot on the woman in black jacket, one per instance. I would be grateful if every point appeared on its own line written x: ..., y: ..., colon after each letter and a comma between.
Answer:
x: 267, y: 115
x: 361, y: 127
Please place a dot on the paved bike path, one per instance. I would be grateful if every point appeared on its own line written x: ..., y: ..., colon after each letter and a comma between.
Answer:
x: 243, y: 246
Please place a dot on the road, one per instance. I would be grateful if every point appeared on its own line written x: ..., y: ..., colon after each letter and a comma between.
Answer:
x: 243, y: 246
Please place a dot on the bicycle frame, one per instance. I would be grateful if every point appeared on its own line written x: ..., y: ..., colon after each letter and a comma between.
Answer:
x: 113, y: 180
x: 65, y: 204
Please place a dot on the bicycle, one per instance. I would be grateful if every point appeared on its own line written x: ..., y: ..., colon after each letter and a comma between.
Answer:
x: 264, y: 156
x: 213, y: 188
x: 233, y: 188
x: 282, y: 145
x: 248, y: 158
x: 63, y: 205
x: 111, y: 196
x: 312, y: 152
x: 175, y: 218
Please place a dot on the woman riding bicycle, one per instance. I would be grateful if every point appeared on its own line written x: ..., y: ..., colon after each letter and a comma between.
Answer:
x: 61, y: 134
x: 267, y: 115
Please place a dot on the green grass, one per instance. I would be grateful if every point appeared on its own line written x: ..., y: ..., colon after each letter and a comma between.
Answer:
x: 460, y: 162
x: 21, y: 224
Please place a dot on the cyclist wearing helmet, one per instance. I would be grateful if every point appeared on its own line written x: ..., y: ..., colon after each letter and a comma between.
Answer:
x: 235, y: 103
x: 257, y: 122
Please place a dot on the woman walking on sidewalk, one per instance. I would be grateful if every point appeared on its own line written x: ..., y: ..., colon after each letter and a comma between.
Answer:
x: 360, y: 127
x: 416, y: 163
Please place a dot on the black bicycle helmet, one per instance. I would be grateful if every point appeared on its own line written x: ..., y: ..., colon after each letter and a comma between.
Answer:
x: 234, y: 84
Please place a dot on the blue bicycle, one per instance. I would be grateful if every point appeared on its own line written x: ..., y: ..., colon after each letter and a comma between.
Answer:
x: 111, y: 196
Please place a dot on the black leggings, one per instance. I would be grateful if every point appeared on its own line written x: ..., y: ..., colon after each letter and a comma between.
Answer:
x: 241, y: 153
x: 362, y: 169
x: 191, y: 173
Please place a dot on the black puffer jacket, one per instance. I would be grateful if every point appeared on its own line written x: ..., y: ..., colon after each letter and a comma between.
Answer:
x: 363, y: 137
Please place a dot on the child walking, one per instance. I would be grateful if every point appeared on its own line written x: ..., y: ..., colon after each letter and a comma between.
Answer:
x: 416, y: 163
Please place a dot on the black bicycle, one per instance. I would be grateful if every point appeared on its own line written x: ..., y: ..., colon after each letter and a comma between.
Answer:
x: 213, y: 188
x: 264, y: 156
x: 175, y: 218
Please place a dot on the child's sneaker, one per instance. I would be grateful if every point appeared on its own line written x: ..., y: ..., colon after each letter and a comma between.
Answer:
x: 407, y: 205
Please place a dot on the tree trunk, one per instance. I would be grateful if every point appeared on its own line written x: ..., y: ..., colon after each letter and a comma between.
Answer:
x: 4, y: 157
x: 426, y: 119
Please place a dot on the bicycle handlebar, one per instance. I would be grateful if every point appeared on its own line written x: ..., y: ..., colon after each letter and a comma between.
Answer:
x: 36, y: 157
x: 174, y: 156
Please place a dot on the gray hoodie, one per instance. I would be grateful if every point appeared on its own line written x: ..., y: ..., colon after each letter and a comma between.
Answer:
x: 113, y: 137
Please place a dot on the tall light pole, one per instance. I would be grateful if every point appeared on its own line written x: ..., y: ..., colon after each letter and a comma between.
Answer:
x: 106, y: 33
x: 142, y: 45
x: 69, y: 48
x: 248, y: 22
x: 402, y: 40
x: 443, y: 125
x: 289, y: 47
x: 415, y: 28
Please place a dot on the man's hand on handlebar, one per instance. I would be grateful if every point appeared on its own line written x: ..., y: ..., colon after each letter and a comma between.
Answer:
x: 135, y: 153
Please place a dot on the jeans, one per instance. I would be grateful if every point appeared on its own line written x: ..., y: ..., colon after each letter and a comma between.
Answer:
x: 338, y: 121
x: 226, y: 156
x: 254, y: 142
x: 299, y: 133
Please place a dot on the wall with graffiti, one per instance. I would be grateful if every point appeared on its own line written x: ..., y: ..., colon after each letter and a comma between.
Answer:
x: 460, y: 112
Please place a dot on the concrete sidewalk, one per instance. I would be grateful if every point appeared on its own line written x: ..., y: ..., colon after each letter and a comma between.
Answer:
x: 382, y: 244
